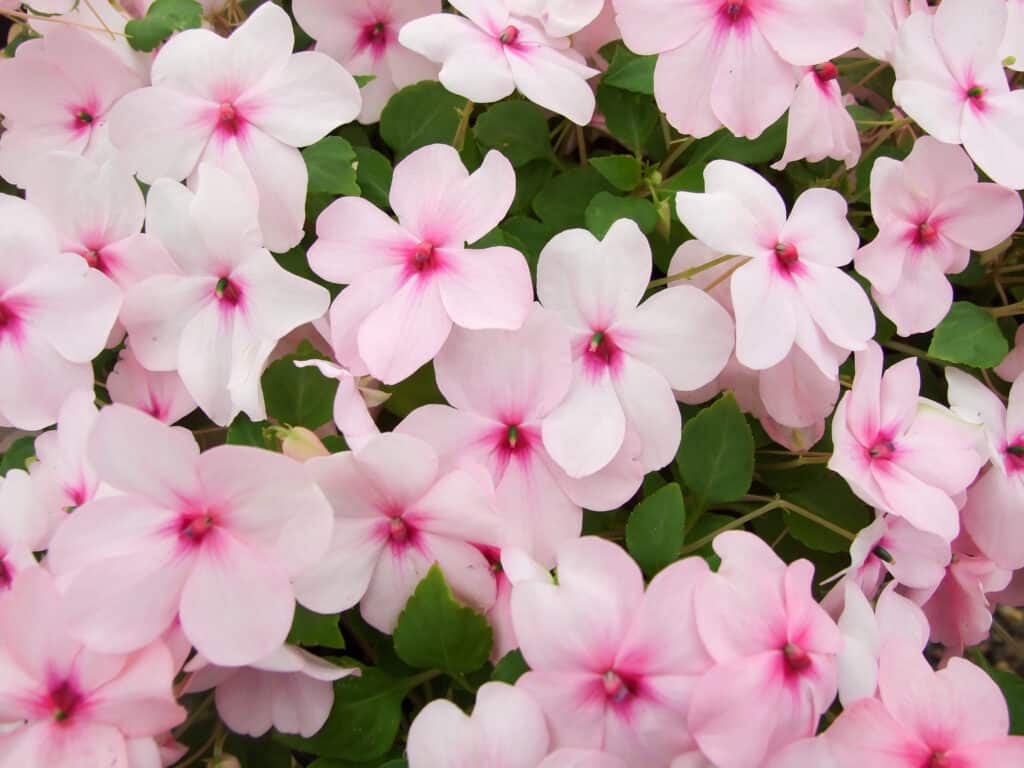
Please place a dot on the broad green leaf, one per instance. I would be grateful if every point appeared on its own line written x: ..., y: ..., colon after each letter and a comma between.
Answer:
x: 654, y: 533
x: 716, y: 456
x: 299, y: 397
x: 18, y: 454
x: 517, y: 129
x: 563, y: 201
x: 510, y: 667
x: 605, y: 209
x: 164, y: 18
x: 969, y: 335
x: 530, y: 179
x: 723, y: 145
x: 630, y: 117
x: 422, y: 114
x: 435, y: 632
x: 623, y: 171
x: 631, y: 72
x: 373, y: 174
x: 331, y: 163
x: 245, y: 431
x: 263, y: 752
x: 1011, y: 685
x: 409, y: 394
x: 315, y: 629
x: 831, y: 499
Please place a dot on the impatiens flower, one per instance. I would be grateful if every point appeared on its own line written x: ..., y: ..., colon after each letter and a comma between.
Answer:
x: 954, y: 718
x: 628, y: 356
x: 791, y: 291
x: 774, y: 650
x: 884, y: 18
x: 56, y: 94
x: 931, y: 213
x: 161, y: 394
x: 218, y: 316
x: 1013, y: 364
x: 819, y: 125
x: 731, y: 62
x: 502, y: 385
x: 900, y: 453
x: 510, y: 566
x: 409, y: 282
x: 950, y: 79
x: 55, y: 315
x: 396, y: 514
x: 994, y: 513
x: 243, y: 103
x: 491, y: 51
x: 612, y: 666
x: 104, y: 22
x: 352, y: 402
x: 24, y: 527
x: 211, y: 539
x: 289, y: 689
x: 80, y: 708
x: 506, y: 730
x: 363, y: 36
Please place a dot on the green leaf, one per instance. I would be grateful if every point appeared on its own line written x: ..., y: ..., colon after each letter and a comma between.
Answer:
x: 409, y: 394
x: 419, y: 115
x: 263, y: 752
x: 623, y: 171
x: 654, y: 533
x: 563, y: 201
x: 723, y: 145
x: 631, y: 72
x: 245, y: 431
x: 163, y: 19
x: 364, y: 80
x: 517, y: 129
x: 630, y: 117
x: 510, y: 668
x: 605, y: 209
x: 315, y: 629
x: 969, y: 335
x: 831, y: 499
x: 331, y: 165
x: 18, y: 454
x: 1012, y: 687
x: 435, y: 632
x: 716, y: 456
x: 373, y: 174
x: 300, y: 397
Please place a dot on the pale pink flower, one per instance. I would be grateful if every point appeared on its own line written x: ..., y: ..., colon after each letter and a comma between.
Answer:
x: 161, y: 394
x: 492, y: 50
x: 352, y: 402
x: 954, y: 718
x: 612, y: 667
x: 931, y: 213
x: 993, y: 513
x: 510, y: 566
x: 1011, y: 52
x: 55, y: 315
x: 217, y: 318
x: 80, y: 708
x: 56, y: 94
x: 628, y: 356
x: 211, y: 539
x: 792, y: 291
x: 884, y: 18
x: 731, y: 61
x: 395, y: 514
x: 900, y: 453
x: 560, y: 18
x: 363, y: 36
x: 409, y: 282
x: 243, y: 103
x: 950, y: 79
x: 502, y: 385
x: 506, y: 730
x: 774, y: 650
x: 819, y: 124
x: 24, y: 528
x: 1013, y: 364
x: 288, y: 689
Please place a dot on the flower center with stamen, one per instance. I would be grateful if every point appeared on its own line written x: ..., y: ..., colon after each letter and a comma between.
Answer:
x: 883, y: 554
x: 926, y: 233
x: 509, y: 35
x: 512, y: 436
x: 398, y: 531
x: 84, y: 118
x: 423, y: 258
x: 975, y: 92
x: 883, y: 450
x: 939, y: 760
x: 195, y: 527
x: 615, y: 688
x: 227, y: 292
x: 376, y: 31
x: 786, y: 255
x: 797, y: 659
x: 826, y: 71
x: 64, y: 700
x: 5, y: 575
x: 7, y: 316
x: 734, y: 10
x: 228, y: 119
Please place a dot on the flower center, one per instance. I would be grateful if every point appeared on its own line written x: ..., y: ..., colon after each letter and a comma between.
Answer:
x: 883, y: 554
x: 227, y: 292
x: 601, y: 352
x: 882, y: 449
x: 5, y: 575
x: 975, y: 92
x: 827, y: 71
x: 1015, y: 456
x: 10, y: 320
x: 64, y: 700
x: 194, y: 528
x: 228, y: 119
x: 512, y: 436
x: 509, y: 35
x: 797, y: 659
x: 423, y: 257
x: 734, y: 10
x: 926, y: 233
x: 398, y: 531
x: 83, y: 118
x: 615, y: 688
x: 786, y: 255
x: 938, y: 760
x: 375, y: 31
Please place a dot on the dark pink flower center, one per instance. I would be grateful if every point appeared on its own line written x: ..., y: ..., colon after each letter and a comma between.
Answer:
x: 195, y: 526
x: 616, y: 687
x: 938, y: 760
x: 1015, y: 455
x: 94, y: 258
x: 5, y: 574
x: 882, y: 450
x: 734, y: 11
x: 227, y: 292
x: 796, y: 657
x: 926, y: 234
x: 374, y: 36
x: 423, y: 258
x: 63, y: 701
x: 601, y: 349
x: 883, y: 554
x: 10, y: 320
x: 786, y: 256
x: 229, y: 121
x: 509, y: 35
x: 975, y: 93
x: 827, y: 71
x: 84, y: 118
x: 398, y: 531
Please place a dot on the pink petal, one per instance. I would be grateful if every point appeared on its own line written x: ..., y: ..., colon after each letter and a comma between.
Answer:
x: 280, y: 176
x: 683, y: 78
x: 867, y: 734
x: 352, y: 306
x: 817, y: 226
x: 643, y: 23
x: 796, y: 393
x: 554, y: 80
x: 585, y: 432
x: 156, y: 312
x: 277, y: 301
x: 838, y: 305
x: 511, y: 724
x: 443, y: 736
x: 993, y: 520
x: 355, y: 237
x: 651, y: 410
x: 991, y: 138
x: 394, y: 580
x: 486, y: 288
x: 807, y: 32
x: 969, y: 34
x: 980, y: 216
x: 479, y: 71
x: 341, y: 577
x: 765, y: 319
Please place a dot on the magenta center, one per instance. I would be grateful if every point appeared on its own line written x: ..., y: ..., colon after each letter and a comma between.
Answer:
x: 509, y: 35
x: 374, y: 36
x: 602, y: 351
x: 1015, y: 455
x: 617, y: 688
x: 229, y: 121
x: 938, y: 760
x: 193, y: 527
x: 63, y: 701
x: 926, y: 234
x: 786, y: 256
x: 5, y: 574
x: 10, y: 320
x: 734, y: 11
x: 882, y: 450
x: 826, y: 71
x: 228, y: 293
x: 796, y: 658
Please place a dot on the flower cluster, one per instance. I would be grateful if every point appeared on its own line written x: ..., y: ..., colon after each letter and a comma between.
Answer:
x: 330, y: 383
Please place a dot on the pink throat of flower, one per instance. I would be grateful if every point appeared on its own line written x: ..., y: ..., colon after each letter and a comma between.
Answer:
x: 227, y: 292
x: 195, y: 527
x: 602, y: 351
x: 796, y: 657
x: 94, y: 258
x: 976, y: 95
x: 616, y: 688
x: 5, y: 574
x: 10, y: 320
x: 926, y: 234
x: 229, y: 121
x: 63, y: 701
x: 786, y: 256
x: 509, y: 35
x: 1015, y: 454
x: 84, y: 118
x: 882, y: 450
x: 734, y: 11
x: 424, y: 257
x: 938, y: 760
x: 826, y: 72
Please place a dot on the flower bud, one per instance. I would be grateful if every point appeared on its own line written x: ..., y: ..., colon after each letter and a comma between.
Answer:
x: 300, y: 444
x: 223, y: 761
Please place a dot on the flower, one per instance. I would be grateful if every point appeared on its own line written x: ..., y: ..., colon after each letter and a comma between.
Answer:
x: 884, y: 18
x: 161, y: 394
x: 352, y: 402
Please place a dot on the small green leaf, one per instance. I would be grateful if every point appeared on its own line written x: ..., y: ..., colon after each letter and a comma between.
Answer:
x: 435, y: 632
x: 969, y: 335
x: 331, y: 164
x: 299, y: 397
x: 163, y: 19
x: 723, y: 145
x: 831, y: 499
x: 623, y: 171
x: 245, y: 431
x: 419, y: 115
x: 18, y: 454
x: 315, y: 629
x: 631, y: 72
x: 364, y: 80
x: 414, y: 391
x: 510, y: 668
x: 654, y: 533
x: 373, y: 174
x: 630, y: 117
x: 605, y: 209
x: 517, y: 129
x: 716, y: 456
x: 562, y: 203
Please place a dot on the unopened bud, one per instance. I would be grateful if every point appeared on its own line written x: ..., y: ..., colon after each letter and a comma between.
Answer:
x: 223, y: 761
x: 300, y: 444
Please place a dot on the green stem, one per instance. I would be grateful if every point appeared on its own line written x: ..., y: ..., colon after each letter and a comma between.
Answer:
x: 683, y: 144
x: 739, y: 522
x: 194, y: 715
x: 807, y: 514
x: 686, y: 274
x: 460, y: 133
x: 1008, y: 311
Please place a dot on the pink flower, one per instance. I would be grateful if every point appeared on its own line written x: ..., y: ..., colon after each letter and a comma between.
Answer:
x: 731, y: 61
x: 502, y: 386
x: 352, y: 402
x: 925, y: 719
x: 363, y: 36
x: 396, y: 514
x: 1013, y: 365
x: 559, y: 17
x: 792, y: 290
x: 80, y: 708
x: 774, y: 650
x: 506, y: 730
x: 950, y: 79
x: 627, y: 356
x: 24, y: 528
x: 491, y: 50
x: 819, y: 125
x: 599, y: 32
x: 55, y: 314
x: 211, y: 539
x: 513, y: 566
x: 931, y: 213
x: 243, y: 103
x: 900, y: 453
x: 612, y: 666
x: 103, y: 22
x: 884, y: 18
x: 219, y: 315
x: 56, y: 94
x: 409, y: 282
x: 289, y: 689
x: 161, y: 394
